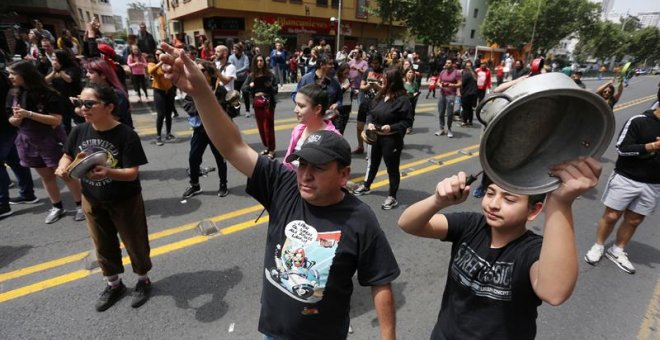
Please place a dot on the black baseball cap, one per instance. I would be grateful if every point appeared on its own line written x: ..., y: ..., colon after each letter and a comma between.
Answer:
x: 322, y: 147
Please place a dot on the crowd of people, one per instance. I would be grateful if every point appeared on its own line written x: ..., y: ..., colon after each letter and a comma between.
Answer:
x: 52, y: 122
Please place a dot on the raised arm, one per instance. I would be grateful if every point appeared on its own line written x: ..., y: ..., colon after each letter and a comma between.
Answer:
x: 384, y: 305
x: 554, y: 275
x: 224, y: 134
x: 421, y: 219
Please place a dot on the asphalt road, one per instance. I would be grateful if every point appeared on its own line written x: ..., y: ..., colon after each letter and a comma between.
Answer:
x: 209, y: 287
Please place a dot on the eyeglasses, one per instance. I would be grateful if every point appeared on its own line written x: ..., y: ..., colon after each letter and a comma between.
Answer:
x: 88, y: 103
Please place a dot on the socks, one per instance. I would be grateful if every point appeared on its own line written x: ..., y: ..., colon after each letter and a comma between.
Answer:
x: 113, y: 281
x: 615, y: 249
x: 58, y: 205
x: 598, y: 246
x: 78, y: 204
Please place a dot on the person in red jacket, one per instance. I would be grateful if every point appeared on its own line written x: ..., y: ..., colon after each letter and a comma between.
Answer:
x: 483, y: 81
x: 499, y: 73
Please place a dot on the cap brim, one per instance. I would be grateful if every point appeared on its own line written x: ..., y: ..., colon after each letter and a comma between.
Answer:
x: 311, y: 155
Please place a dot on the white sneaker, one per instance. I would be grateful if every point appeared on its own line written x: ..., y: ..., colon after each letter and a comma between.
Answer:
x: 449, y: 134
x: 54, y: 214
x: 594, y: 254
x: 621, y: 260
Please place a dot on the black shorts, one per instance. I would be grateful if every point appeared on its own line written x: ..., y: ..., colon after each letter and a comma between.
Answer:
x: 362, y: 111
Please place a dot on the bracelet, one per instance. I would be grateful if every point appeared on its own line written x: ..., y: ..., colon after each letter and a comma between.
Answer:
x: 30, y: 115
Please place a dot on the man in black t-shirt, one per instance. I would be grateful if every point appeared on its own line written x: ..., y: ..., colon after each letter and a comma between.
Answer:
x: 498, y: 274
x: 319, y: 235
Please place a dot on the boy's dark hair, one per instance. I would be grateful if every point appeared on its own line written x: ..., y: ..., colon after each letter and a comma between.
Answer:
x: 531, y: 199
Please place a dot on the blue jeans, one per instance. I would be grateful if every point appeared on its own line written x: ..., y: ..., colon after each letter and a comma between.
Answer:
x: 9, y: 156
x: 446, y: 109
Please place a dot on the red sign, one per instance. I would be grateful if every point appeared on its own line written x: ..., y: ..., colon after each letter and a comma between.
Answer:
x: 295, y: 25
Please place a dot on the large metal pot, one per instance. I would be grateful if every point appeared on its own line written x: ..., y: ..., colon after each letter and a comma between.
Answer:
x: 538, y: 122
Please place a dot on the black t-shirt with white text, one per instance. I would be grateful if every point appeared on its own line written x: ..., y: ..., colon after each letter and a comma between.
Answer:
x: 488, y: 294
x: 311, y: 256
x: 123, y: 149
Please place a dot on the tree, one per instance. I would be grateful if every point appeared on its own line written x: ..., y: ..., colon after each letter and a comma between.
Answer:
x: 264, y: 33
x: 513, y: 22
x: 434, y: 22
x: 643, y: 45
x: 603, y: 40
x: 431, y: 21
x: 137, y: 5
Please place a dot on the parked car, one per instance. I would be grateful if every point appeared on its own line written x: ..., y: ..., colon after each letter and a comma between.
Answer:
x: 655, y: 70
x: 641, y: 71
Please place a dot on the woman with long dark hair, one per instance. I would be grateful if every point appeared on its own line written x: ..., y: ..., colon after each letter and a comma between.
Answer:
x: 100, y: 72
x: 65, y: 77
x: 261, y: 84
x: 389, y: 117
x: 343, y: 78
x: 468, y: 93
x: 36, y: 112
x: 609, y: 94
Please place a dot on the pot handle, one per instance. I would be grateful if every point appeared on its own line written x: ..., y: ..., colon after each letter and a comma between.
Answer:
x: 483, y: 102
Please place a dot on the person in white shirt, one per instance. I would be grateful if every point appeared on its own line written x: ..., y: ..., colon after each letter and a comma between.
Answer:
x: 227, y: 70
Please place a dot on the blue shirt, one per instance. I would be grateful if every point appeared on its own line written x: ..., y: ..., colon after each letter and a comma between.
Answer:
x: 331, y: 86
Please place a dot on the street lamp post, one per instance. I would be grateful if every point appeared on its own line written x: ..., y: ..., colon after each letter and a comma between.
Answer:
x: 338, y: 20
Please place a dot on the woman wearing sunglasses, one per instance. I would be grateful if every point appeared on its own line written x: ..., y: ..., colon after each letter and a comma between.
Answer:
x: 609, y: 94
x: 100, y: 72
x: 36, y: 112
x: 112, y: 194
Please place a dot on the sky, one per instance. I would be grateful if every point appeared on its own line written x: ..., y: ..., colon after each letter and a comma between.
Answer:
x: 119, y: 7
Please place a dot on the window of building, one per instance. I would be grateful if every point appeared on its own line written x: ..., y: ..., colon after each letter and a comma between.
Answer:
x: 96, y: 16
x: 106, y: 19
x: 323, y: 3
x: 82, y: 17
x: 476, y: 12
x: 89, y: 18
x: 472, y: 34
x: 295, y: 1
x: 335, y: 3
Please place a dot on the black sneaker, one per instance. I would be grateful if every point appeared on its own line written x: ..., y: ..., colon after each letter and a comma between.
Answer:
x: 141, y: 293
x: 110, y: 296
x: 170, y: 137
x: 159, y: 142
x: 192, y: 191
x: 5, y: 211
x: 223, y: 191
x: 23, y: 200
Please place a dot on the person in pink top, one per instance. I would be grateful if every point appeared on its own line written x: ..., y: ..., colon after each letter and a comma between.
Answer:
x: 311, y: 104
x: 357, y: 67
x: 483, y: 81
x: 138, y: 64
x: 449, y: 82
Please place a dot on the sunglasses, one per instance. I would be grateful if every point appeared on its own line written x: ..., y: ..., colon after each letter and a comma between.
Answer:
x: 88, y: 103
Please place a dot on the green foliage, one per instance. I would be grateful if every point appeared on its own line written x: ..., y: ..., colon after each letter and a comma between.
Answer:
x: 643, y: 45
x: 512, y: 22
x: 431, y: 21
x: 264, y: 33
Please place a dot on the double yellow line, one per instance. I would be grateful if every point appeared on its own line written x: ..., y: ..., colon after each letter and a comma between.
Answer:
x: 440, y: 161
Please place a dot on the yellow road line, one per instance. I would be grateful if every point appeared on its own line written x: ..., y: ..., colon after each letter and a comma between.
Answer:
x: 79, y: 274
x: 651, y: 322
x: 42, y: 266
x: 62, y: 279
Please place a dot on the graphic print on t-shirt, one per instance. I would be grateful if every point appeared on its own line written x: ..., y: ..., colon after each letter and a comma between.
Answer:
x: 302, y: 263
x: 481, y: 277
x: 91, y: 146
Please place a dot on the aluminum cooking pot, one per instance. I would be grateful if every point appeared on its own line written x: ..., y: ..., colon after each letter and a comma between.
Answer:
x: 538, y: 122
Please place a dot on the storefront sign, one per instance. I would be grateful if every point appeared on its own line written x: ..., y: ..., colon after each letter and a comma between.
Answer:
x: 293, y: 25
x: 224, y: 23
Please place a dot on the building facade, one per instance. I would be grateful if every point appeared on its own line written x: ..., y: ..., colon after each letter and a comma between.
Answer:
x: 469, y: 33
x: 222, y: 21
x: 649, y: 19
x: 86, y: 10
